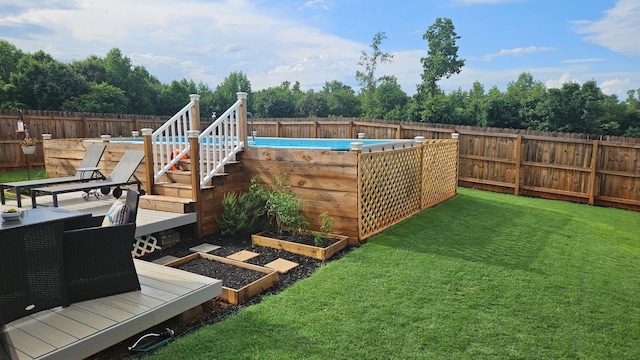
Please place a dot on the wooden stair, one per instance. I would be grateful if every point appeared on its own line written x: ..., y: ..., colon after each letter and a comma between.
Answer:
x: 175, y: 193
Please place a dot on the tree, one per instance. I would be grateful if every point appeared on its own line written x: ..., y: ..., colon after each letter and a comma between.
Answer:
x: 367, y: 78
x: 174, y: 97
x: 341, y: 99
x: 312, y: 104
x: 225, y: 93
x: 527, y: 94
x: 275, y: 102
x: 102, y: 98
x: 442, y: 60
x: 9, y: 58
x: 391, y: 99
x: 92, y: 68
x: 43, y: 83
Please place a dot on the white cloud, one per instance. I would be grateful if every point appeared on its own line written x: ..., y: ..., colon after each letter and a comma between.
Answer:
x: 517, y: 52
x: 473, y: 2
x: 618, y: 30
x: 582, y: 61
x: 616, y: 86
x: 316, y: 4
x: 557, y: 83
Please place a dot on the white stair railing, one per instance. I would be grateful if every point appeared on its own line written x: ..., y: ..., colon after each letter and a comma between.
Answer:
x: 220, y: 142
x: 170, y: 142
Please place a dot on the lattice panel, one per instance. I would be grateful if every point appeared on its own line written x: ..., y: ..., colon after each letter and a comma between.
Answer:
x: 389, y: 188
x: 440, y: 171
x: 144, y: 244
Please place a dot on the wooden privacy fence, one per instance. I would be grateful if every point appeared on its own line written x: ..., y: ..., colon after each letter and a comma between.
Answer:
x: 63, y: 125
x: 601, y: 170
x: 395, y: 184
x: 596, y: 170
x: 587, y: 171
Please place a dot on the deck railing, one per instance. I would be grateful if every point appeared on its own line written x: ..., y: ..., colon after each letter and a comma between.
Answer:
x: 216, y: 146
x: 220, y: 142
x: 170, y: 142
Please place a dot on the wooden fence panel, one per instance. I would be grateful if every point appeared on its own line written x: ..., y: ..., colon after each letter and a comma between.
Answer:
x: 619, y: 173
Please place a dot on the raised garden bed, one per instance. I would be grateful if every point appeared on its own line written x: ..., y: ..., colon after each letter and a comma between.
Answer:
x: 254, y: 279
x: 305, y: 245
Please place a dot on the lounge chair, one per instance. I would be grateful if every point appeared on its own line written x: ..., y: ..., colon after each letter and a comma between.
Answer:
x: 97, y: 259
x: 91, y: 159
x: 123, y: 174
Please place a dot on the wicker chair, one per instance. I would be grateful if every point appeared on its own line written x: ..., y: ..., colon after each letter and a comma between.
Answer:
x: 97, y: 259
x: 32, y: 272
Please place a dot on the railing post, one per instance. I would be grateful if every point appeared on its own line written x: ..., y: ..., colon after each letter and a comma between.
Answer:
x: 242, y: 117
x: 195, y: 112
x: 419, y: 140
x: 195, y: 179
x: 148, y: 159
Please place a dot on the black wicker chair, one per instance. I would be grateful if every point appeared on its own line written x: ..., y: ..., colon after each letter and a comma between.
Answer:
x: 98, y: 262
x: 97, y: 259
x: 32, y: 274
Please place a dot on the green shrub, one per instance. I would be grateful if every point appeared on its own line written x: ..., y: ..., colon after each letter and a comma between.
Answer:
x: 243, y: 213
x: 284, y: 207
x: 262, y: 207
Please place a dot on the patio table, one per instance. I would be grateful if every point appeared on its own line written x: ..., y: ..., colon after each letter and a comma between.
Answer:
x: 31, y: 261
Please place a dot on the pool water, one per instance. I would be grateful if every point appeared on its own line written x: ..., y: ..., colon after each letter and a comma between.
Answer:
x: 309, y: 143
x: 302, y: 143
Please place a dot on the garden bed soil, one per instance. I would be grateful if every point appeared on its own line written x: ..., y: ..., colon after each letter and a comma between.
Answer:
x: 240, y: 280
x: 303, y: 244
x: 216, y: 310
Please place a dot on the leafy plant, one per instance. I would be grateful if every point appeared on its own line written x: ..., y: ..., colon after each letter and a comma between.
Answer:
x: 284, y: 207
x: 326, y: 226
x: 244, y: 213
x: 262, y: 206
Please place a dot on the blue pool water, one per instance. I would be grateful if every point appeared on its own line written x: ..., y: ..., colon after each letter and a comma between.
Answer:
x: 333, y: 144
x: 303, y: 143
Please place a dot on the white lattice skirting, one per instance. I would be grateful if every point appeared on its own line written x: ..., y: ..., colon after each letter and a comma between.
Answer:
x: 144, y: 244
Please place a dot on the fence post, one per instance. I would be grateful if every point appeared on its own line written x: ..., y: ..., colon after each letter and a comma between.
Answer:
x: 195, y: 112
x: 148, y: 159
x: 517, y: 155
x: 242, y: 117
x: 420, y: 153
x: 594, y: 171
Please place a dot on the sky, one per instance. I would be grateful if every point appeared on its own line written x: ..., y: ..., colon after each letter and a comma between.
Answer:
x: 315, y: 41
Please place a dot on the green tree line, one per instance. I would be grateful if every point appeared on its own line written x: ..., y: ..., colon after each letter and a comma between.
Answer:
x: 112, y: 84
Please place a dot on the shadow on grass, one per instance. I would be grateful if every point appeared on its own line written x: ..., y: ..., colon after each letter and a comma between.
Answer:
x: 477, y: 229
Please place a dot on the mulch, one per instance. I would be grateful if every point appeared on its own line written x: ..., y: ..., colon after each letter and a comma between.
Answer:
x: 216, y: 310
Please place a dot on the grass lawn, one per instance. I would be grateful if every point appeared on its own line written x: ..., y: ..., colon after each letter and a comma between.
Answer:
x: 481, y: 276
x: 21, y: 175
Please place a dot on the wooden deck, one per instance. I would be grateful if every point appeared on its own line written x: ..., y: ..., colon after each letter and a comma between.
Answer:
x: 148, y: 221
x: 85, y: 328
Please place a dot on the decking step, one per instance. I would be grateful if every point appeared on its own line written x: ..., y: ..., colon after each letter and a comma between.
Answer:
x: 167, y: 203
x: 180, y: 190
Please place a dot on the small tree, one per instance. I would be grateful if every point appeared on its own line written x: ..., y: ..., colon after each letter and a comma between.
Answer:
x: 284, y: 207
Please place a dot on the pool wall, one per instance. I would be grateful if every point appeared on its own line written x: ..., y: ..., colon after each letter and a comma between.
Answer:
x: 363, y: 192
x: 326, y: 180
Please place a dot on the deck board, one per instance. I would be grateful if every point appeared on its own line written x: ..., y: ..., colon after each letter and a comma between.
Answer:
x: 88, y: 327
x: 147, y: 221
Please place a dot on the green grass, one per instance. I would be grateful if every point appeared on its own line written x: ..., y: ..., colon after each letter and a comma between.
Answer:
x: 481, y: 276
x: 20, y: 175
